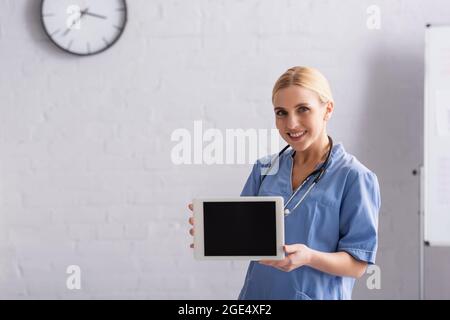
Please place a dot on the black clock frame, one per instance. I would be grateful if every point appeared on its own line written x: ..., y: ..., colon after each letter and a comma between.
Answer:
x: 91, y: 53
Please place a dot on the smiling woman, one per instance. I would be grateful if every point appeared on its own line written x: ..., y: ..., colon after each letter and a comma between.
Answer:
x: 330, y: 226
x: 303, y: 104
x: 332, y: 236
x: 304, y: 93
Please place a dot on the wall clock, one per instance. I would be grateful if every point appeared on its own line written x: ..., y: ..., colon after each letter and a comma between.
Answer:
x: 84, y: 27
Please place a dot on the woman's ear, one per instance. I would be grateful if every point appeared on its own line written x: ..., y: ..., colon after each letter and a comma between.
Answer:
x: 329, y: 110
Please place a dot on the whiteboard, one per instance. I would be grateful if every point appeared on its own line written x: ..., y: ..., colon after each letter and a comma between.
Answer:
x: 436, y: 167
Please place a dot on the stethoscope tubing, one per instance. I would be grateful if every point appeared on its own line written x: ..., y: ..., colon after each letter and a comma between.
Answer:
x: 321, y: 171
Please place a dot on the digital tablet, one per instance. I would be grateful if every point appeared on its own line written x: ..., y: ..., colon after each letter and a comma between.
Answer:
x: 242, y: 228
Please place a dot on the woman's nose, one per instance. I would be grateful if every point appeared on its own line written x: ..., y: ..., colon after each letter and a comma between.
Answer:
x: 292, y: 123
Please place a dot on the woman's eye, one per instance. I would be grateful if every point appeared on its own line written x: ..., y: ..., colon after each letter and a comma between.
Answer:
x: 280, y: 113
x: 303, y: 109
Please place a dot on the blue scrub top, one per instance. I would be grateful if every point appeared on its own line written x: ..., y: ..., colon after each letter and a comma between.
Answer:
x: 339, y: 214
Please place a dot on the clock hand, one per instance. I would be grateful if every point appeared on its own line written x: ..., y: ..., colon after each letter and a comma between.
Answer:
x: 95, y: 15
x: 82, y: 13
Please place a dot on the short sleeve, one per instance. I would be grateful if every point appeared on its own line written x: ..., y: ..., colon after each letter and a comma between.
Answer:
x: 251, y: 187
x: 358, y: 221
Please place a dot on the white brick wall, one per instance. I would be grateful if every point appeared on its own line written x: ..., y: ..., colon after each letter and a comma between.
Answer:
x: 85, y: 170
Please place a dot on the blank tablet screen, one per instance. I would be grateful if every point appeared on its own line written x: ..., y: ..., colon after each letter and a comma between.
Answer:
x: 239, y: 228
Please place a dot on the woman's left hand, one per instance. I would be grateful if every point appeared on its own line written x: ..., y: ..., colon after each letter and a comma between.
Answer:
x: 297, y: 255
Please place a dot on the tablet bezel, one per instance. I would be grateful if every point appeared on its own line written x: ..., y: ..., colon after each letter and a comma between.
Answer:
x: 199, y: 248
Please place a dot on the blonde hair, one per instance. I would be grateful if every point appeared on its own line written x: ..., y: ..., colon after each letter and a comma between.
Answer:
x: 306, y: 77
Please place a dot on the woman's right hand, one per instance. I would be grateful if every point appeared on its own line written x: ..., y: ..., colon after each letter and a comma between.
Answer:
x: 191, y: 222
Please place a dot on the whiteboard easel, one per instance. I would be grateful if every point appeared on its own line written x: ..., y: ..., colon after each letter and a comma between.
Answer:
x: 435, y: 174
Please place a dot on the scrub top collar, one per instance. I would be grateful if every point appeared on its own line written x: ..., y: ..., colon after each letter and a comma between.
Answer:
x: 336, y: 152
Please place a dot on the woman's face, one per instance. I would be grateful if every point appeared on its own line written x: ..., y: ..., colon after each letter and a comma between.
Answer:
x: 300, y: 116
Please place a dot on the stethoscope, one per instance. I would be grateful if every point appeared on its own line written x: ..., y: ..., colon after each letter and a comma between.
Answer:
x: 320, y: 172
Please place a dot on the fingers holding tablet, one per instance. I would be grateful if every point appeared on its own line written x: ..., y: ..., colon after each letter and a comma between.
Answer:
x: 191, y: 222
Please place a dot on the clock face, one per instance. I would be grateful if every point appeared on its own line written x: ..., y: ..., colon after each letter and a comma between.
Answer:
x: 84, y: 27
